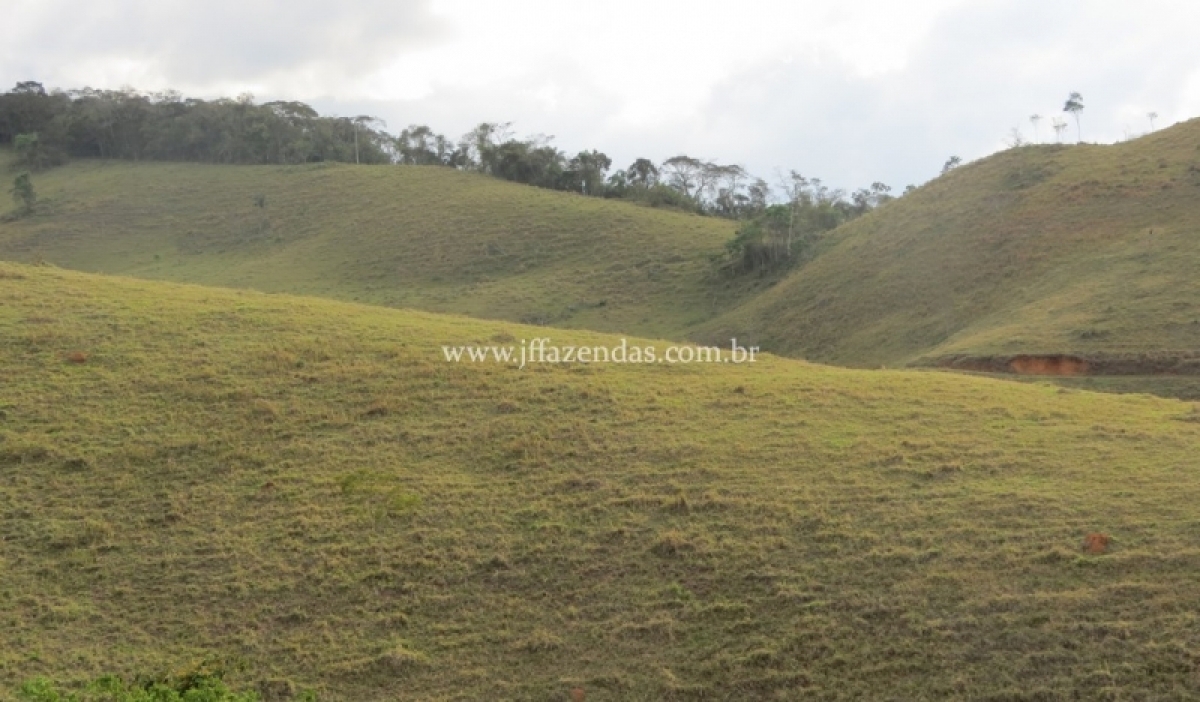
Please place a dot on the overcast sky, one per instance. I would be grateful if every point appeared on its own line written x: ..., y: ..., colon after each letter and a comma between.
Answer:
x: 849, y: 92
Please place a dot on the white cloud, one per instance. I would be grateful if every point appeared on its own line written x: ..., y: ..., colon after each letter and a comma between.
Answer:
x: 270, y: 45
x: 852, y: 93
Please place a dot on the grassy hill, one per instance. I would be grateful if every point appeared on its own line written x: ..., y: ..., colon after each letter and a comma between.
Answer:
x: 1082, y: 251
x: 306, y: 489
x: 1085, y: 250
x: 419, y: 237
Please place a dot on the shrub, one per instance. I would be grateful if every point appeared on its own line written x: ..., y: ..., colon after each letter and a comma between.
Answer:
x: 196, y: 686
x: 23, y: 193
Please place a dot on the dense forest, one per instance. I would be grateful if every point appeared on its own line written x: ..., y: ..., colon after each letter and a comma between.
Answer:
x: 47, y: 128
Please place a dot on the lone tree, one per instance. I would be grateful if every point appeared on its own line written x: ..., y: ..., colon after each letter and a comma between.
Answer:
x: 1035, y: 119
x: 1153, y: 116
x: 1074, y: 105
x: 23, y: 193
x: 1059, y: 127
x: 951, y: 163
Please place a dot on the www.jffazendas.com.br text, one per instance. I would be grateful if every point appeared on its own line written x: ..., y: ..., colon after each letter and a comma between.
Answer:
x: 540, y: 350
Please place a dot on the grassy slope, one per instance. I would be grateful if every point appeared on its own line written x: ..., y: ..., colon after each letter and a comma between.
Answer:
x: 1081, y: 250
x: 1085, y: 250
x: 426, y: 238
x: 305, y: 486
x: 1045, y: 249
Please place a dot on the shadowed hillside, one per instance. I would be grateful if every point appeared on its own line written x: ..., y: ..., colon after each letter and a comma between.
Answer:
x: 1085, y: 251
x: 305, y: 489
x: 421, y: 237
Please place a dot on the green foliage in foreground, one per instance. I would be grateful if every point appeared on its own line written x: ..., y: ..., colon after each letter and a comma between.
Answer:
x: 110, y: 688
x: 306, y: 487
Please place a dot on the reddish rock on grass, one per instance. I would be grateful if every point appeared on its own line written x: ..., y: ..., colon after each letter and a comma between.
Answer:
x: 77, y: 357
x: 577, y: 694
x: 1096, y: 543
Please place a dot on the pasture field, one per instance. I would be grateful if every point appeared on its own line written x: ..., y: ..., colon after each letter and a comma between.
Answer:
x: 306, y: 490
x: 1087, y: 250
x: 419, y: 237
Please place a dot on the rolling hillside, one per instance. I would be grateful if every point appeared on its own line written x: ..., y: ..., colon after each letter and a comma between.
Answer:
x: 1045, y: 259
x: 1083, y: 250
x: 305, y: 489
x: 418, y: 237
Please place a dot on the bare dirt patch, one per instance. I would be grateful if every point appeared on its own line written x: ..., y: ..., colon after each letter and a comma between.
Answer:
x: 1069, y: 365
x: 1048, y: 365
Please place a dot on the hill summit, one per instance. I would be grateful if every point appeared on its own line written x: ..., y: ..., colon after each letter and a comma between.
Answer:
x: 1082, y: 253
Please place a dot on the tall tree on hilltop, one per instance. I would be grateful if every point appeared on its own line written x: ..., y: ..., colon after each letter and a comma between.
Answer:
x: 642, y: 173
x: 685, y: 174
x: 587, y: 170
x: 418, y: 145
x: 1060, y: 126
x: 480, y: 144
x: 370, y: 125
x: 730, y: 201
x: 1074, y: 105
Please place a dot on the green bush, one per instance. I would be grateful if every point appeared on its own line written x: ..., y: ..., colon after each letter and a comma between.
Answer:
x: 191, y: 687
x: 23, y: 193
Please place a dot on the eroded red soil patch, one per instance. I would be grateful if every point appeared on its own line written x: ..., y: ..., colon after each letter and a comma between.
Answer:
x: 1048, y: 365
x: 1096, y: 543
x: 1056, y: 364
